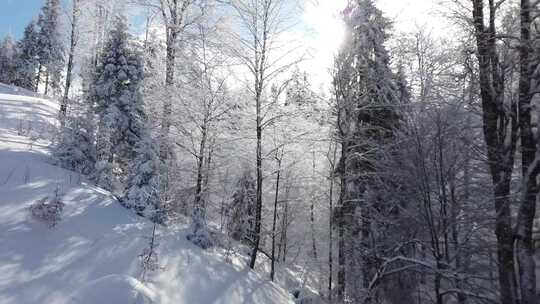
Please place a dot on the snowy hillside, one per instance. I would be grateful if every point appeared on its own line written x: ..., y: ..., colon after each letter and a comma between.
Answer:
x: 92, y: 254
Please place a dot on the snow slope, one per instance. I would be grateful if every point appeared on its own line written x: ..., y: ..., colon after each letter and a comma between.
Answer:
x: 92, y: 254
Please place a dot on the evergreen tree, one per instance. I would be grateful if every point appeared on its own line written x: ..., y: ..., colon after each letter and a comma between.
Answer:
x: 118, y: 103
x: 27, y: 61
x: 367, y: 97
x: 199, y: 234
x: 299, y: 90
x: 8, y: 54
x: 50, y: 46
x: 241, y: 211
x: 75, y: 149
x: 403, y: 89
x: 103, y: 174
x: 142, y: 191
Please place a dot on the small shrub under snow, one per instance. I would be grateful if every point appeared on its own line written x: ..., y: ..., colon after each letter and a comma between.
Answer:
x: 200, y: 236
x: 149, y: 258
x: 48, y: 210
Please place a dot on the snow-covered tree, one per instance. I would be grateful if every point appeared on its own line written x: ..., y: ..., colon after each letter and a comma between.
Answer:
x: 142, y: 190
x: 103, y: 173
x: 261, y: 25
x: 8, y: 55
x: 367, y: 100
x: 241, y: 209
x: 27, y: 61
x: 73, y: 44
x: 117, y: 101
x: 75, y: 149
x: 299, y: 91
x: 176, y: 16
x: 50, y: 46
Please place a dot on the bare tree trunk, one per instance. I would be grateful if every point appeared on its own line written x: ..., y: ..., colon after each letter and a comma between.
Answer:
x: 331, y: 223
x: 338, y: 214
x: 260, y: 48
x: 441, y: 253
x: 341, y: 228
x: 258, y: 202
x: 457, y: 207
x: 173, y: 17
x: 500, y: 133
x: 282, y: 247
x: 172, y: 37
x: 285, y: 225
x: 38, y: 77
x: 461, y: 297
x: 523, y: 235
x: 199, y: 208
x: 262, y: 22
x: 312, y: 216
x: 208, y: 165
x: 341, y: 264
x: 276, y: 196
x: 73, y: 44
x: 46, y: 82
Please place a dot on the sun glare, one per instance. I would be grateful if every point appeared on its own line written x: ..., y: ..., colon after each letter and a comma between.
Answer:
x: 323, y: 19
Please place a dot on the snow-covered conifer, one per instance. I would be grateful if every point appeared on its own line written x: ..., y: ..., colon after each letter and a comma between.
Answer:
x: 241, y: 211
x: 50, y: 45
x: 103, y: 174
x: 75, y: 149
x: 299, y: 91
x: 367, y: 98
x: 115, y: 93
x: 8, y: 54
x: 27, y: 60
x: 142, y: 191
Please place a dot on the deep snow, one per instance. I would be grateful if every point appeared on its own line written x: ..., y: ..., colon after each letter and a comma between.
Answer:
x: 92, y: 255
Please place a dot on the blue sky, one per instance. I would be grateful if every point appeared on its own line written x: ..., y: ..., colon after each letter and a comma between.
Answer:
x: 15, y: 15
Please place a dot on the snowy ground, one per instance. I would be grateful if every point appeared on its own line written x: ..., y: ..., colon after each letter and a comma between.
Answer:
x: 92, y: 255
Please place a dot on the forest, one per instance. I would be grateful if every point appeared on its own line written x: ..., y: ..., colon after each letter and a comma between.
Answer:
x: 409, y: 174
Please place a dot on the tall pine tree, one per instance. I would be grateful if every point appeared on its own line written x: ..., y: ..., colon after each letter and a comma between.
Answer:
x: 27, y: 61
x: 367, y: 99
x: 50, y: 46
x: 115, y: 94
x: 8, y: 54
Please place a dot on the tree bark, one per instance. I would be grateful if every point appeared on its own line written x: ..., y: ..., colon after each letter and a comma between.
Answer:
x: 500, y: 133
x: 172, y: 37
x: 312, y: 216
x: 523, y: 235
x: 258, y: 202
x: 199, y: 207
x: 282, y: 247
x: 341, y: 226
x: 272, y: 268
x: 331, y: 224
x: 260, y: 61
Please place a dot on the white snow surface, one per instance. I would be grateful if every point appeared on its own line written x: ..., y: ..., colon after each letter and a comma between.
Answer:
x: 92, y: 254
